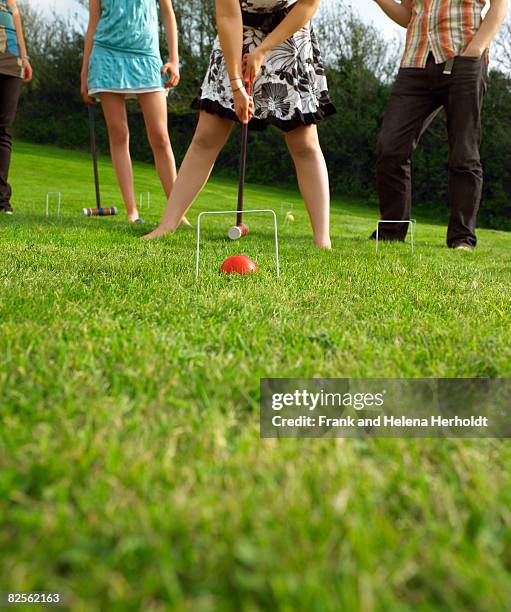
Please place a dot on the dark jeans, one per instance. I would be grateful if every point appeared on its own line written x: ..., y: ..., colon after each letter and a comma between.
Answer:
x: 417, y: 97
x: 10, y: 88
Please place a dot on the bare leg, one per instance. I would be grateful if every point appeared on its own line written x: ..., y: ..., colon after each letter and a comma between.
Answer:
x: 312, y: 175
x: 154, y: 109
x: 114, y: 109
x: 209, y: 138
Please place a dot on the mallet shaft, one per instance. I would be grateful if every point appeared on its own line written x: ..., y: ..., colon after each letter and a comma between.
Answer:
x: 92, y: 130
x: 243, y: 167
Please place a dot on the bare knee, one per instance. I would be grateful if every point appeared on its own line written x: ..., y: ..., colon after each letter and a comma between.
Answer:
x: 211, y: 134
x: 159, y: 141
x: 305, y: 150
x: 303, y: 144
x: 118, y: 135
x: 207, y: 141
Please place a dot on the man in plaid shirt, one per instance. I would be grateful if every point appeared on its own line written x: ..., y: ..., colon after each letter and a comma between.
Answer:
x: 444, y: 65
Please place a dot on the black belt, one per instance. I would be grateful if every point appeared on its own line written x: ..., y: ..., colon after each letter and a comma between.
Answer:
x: 266, y: 22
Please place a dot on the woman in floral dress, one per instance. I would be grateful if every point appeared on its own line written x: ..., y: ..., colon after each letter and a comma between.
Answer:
x: 272, y: 45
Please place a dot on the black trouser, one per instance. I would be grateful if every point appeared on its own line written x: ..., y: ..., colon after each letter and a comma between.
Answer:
x: 10, y: 88
x: 417, y: 97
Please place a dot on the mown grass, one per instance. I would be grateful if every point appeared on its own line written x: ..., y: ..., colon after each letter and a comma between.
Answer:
x: 132, y: 474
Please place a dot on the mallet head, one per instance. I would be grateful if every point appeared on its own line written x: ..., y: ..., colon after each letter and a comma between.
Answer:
x: 238, y: 231
x: 107, y: 211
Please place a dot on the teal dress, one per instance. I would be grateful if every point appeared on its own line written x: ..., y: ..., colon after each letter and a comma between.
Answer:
x: 125, y: 55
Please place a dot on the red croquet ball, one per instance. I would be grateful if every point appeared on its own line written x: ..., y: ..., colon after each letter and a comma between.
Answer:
x: 238, y: 264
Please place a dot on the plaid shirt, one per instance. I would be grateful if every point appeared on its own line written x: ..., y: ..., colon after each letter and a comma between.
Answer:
x: 441, y: 27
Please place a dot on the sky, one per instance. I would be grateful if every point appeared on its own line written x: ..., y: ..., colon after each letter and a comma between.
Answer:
x: 367, y: 9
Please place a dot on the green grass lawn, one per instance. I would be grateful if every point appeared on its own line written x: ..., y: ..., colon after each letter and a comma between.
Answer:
x: 132, y: 475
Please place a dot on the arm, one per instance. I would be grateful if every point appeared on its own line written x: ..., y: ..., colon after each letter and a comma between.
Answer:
x: 400, y: 13
x: 295, y: 20
x: 27, y: 68
x: 230, y: 32
x: 488, y: 30
x: 171, y: 68
x: 94, y: 15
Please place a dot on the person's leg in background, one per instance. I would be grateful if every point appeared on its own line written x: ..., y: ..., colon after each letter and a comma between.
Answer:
x: 411, y: 108
x: 114, y: 110
x: 312, y: 175
x: 10, y: 89
x: 463, y: 104
x: 154, y: 109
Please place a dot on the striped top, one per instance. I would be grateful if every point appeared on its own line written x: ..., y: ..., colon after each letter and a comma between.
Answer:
x: 441, y: 27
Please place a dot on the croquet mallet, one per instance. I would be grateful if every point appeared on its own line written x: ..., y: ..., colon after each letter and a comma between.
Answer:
x: 99, y: 211
x: 239, y: 230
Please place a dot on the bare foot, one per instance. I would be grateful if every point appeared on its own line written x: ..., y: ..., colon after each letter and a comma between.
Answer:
x: 163, y: 231
x: 323, y: 244
x: 157, y: 233
x: 133, y: 215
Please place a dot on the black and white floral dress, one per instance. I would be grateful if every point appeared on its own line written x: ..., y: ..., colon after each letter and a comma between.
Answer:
x: 291, y: 89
